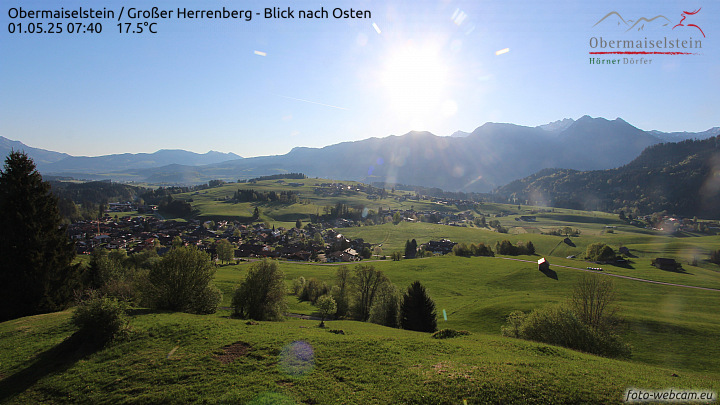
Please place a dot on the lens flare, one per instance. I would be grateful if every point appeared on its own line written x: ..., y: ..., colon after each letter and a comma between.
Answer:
x: 297, y: 359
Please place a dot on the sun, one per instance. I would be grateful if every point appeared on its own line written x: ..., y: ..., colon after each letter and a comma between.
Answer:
x: 415, y: 80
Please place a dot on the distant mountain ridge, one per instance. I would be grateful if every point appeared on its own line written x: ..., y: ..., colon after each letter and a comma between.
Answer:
x: 40, y: 156
x: 557, y: 126
x: 492, y: 155
x: 54, y: 162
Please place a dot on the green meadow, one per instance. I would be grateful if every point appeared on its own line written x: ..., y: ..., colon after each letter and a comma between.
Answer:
x: 478, y: 293
x: 183, y: 358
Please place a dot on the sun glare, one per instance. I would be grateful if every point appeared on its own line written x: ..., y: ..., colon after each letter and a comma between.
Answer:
x: 415, y: 80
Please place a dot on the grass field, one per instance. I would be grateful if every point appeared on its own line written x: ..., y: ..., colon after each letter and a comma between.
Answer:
x: 666, y: 325
x: 172, y: 357
x: 593, y: 225
x: 210, y: 203
x: 181, y: 358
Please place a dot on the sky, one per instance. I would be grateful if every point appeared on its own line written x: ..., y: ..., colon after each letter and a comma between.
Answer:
x: 264, y: 86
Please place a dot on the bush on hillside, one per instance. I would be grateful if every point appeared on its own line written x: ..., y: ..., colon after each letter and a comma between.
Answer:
x: 182, y: 281
x: 262, y: 295
x: 560, y: 326
x: 449, y: 333
x: 599, y: 252
x: 100, y: 319
x: 386, y: 308
x: 312, y: 290
x: 298, y: 285
x: 207, y: 301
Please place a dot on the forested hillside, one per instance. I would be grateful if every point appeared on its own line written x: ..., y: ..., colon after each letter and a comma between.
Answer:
x: 682, y: 178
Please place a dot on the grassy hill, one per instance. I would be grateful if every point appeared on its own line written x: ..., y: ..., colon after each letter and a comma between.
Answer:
x: 181, y: 358
x: 211, y: 204
x: 594, y: 225
x: 668, y: 326
x: 173, y: 357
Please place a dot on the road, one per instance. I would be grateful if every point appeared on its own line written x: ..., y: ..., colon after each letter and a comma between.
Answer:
x: 617, y: 275
x: 526, y: 261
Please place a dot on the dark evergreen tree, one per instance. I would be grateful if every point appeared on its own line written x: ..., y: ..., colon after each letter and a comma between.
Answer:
x: 530, y: 248
x: 410, y: 249
x: 36, y: 270
x: 417, y: 311
x: 715, y: 256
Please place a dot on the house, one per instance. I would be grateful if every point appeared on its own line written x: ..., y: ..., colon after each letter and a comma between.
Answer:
x: 666, y: 264
x: 247, y: 250
x: 543, y: 265
x: 442, y: 247
x: 340, y: 257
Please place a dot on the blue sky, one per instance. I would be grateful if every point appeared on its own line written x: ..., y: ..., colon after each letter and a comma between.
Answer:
x: 199, y: 84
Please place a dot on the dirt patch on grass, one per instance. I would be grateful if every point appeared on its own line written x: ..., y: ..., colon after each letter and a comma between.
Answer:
x: 230, y: 353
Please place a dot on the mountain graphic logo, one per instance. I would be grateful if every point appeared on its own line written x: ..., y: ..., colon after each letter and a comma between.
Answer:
x: 630, y: 24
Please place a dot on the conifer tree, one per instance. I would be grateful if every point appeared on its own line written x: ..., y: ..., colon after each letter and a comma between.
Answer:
x: 417, y: 311
x: 36, y: 270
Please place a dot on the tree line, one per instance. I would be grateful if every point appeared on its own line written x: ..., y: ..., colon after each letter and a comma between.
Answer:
x: 250, y: 195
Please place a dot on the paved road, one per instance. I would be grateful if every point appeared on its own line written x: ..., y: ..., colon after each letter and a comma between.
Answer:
x: 617, y: 275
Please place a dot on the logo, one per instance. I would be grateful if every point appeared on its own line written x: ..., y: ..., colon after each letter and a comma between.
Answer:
x: 684, y: 15
x: 641, y: 20
x: 642, y: 35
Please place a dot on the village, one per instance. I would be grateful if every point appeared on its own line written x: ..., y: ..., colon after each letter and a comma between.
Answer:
x: 137, y: 233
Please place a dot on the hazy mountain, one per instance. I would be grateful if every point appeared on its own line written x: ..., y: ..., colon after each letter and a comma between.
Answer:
x: 492, y: 155
x: 597, y: 143
x: 460, y: 134
x: 681, y: 136
x: 678, y: 177
x: 124, y: 161
x: 86, y: 167
x: 39, y: 156
x: 557, y: 126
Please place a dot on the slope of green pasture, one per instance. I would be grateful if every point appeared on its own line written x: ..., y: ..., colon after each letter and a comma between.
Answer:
x: 211, y: 203
x: 176, y: 358
x: 478, y: 293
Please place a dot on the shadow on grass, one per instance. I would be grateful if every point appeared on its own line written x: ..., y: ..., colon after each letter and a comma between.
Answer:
x: 550, y: 273
x: 54, y: 360
x: 678, y: 271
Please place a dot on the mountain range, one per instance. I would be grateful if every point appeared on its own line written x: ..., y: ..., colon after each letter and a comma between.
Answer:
x: 54, y: 162
x: 492, y: 155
